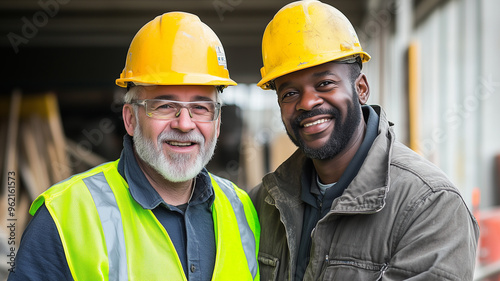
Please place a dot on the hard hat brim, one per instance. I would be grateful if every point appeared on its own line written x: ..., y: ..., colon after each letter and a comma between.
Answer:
x: 176, y: 79
x: 296, y: 66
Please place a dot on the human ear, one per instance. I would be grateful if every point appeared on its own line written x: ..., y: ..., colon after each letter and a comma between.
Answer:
x: 362, y: 88
x: 129, y: 119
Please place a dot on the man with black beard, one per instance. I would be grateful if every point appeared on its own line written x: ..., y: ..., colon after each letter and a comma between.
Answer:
x: 342, y: 133
x: 156, y: 213
x: 351, y: 203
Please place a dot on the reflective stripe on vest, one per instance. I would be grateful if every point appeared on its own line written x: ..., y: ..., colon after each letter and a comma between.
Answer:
x: 111, y: 223
x: 131, y: 243
x: 246, y: 234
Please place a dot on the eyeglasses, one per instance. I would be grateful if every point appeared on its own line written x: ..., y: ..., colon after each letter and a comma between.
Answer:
x: 201, y: 111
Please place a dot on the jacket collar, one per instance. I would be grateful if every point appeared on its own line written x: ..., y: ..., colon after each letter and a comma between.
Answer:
x: 368, y: 190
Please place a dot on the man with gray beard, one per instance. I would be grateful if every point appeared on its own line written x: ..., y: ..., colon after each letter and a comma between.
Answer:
x: 156, y: 213
x: 175, y: 167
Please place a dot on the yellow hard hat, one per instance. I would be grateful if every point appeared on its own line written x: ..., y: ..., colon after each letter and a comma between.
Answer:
x: 175, y: 49
x: 304, y: 34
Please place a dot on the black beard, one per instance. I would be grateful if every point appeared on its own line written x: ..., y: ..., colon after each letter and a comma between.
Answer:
x: 341, y: 135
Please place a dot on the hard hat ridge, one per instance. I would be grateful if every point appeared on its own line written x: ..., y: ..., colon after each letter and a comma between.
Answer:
x: 304, y: 34
x: 175, y: 48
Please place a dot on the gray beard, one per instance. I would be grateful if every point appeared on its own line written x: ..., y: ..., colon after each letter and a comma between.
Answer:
x: 174, y: 167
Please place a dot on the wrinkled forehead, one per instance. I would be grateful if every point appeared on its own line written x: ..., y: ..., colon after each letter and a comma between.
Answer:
x: 333, y: 68
x: 177, y: 92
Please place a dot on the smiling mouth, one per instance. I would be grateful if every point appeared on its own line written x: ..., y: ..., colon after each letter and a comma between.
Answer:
x: 183, y: 144
x: 320, y: 121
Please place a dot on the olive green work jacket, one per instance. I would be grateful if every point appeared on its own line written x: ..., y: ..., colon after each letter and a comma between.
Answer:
x: 400, y: 218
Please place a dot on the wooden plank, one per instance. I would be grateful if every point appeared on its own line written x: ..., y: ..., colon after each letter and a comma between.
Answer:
x: 3, y: 143
x: 46, y: 106
x: 22, y: 213
x: 45, y: 147
x: 89, y: 158
x: 62, y: 170
x: 10, y: 160
x: 28, y: 178
x: 31, y: 137
x: 9, y: 191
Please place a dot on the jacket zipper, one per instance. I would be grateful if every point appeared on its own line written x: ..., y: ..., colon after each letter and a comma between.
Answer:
x: 382, y: 271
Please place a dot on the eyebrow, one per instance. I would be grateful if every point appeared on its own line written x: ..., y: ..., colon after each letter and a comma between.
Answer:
x: 284, y: 85
x: 324, y: 73
x: 173, y: 97
x: 315, y: 75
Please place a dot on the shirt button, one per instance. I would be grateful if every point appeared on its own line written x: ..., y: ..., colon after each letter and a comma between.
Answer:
x: 193, y: 268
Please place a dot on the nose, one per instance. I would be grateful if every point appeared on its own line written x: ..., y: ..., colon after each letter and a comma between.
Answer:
x: 308, y: 99
x: 183, y: 121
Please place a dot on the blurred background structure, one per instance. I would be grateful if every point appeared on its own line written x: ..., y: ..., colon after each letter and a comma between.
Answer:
x: 432, y: 69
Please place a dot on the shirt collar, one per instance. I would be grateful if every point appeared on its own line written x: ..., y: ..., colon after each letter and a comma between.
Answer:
x: 371, y: 119
x: 309, y: 195
x: 143, y: 192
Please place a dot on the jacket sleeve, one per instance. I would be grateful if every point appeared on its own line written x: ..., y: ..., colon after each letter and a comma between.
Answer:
x: 254, y: 195
x: 41, y: 255
x: 437, y: 240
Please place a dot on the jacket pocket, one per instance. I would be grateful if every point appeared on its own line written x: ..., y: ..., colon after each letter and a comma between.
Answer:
x: 268, y: 267
x: 353, y: 270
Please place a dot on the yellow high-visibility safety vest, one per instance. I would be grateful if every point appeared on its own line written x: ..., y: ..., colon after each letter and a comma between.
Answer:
x: 107, y: 235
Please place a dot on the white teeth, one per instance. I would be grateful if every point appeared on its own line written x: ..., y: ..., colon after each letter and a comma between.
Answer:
x: 180, y: 143
x: 316, y: 122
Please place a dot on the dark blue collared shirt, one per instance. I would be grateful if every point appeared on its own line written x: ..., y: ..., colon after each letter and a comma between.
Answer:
x: 191, y: 229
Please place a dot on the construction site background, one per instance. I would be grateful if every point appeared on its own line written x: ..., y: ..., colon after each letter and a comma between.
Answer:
x: 433, y: 70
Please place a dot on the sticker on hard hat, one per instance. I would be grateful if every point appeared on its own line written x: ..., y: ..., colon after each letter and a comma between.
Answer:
x: 221, y: 57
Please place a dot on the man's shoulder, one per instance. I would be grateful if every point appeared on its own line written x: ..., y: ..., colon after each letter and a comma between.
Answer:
x: 104, y: 167
x: 255, y: 192
x: 229, y: 187
x: 41, y: 255
x: 70, y: 185
x: 409, y: 165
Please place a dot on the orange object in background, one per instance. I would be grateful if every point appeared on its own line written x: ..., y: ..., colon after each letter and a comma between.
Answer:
x: 489, y: 240
x: 476, y: 198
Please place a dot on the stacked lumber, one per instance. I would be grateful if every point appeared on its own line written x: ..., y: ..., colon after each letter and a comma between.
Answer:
x: 33, y: 157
